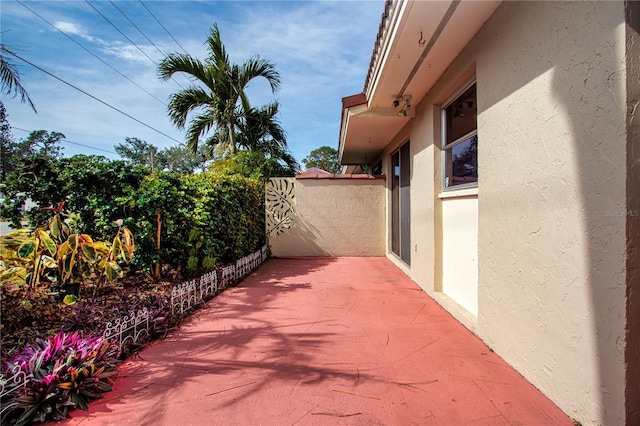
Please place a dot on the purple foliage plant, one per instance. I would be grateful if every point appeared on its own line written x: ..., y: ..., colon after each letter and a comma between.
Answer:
x: 65, y: 371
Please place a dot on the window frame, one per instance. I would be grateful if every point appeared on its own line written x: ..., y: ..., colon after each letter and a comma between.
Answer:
x: 447, y: 147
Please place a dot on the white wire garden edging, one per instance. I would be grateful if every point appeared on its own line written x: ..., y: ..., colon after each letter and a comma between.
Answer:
x: 129, y: 329
x: 17, y: 378
x: 133, y: 328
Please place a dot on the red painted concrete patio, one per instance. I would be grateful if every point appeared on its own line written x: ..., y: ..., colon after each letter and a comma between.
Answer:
x: 321, y: 341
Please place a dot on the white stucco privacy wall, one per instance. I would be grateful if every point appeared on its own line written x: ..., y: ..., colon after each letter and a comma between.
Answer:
x: 552, y: 207
x: 335, y: 216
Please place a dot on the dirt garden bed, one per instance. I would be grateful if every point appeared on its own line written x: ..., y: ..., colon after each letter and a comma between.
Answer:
x: 27, y: 316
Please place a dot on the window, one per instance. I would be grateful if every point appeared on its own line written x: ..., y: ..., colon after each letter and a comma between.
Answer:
x: 460, y: 139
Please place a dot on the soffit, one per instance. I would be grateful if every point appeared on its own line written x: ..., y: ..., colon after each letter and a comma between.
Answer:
x: 418, y: 40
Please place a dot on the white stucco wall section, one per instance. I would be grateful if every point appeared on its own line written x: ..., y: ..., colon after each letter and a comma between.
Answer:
x: 460, y: 251
x: 551, y: 83
x: 340, y: 216
x: 552, y: 164
x: 632, y: 349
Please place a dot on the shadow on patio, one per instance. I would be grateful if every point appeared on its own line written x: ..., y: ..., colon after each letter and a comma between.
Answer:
x: 321, y: 341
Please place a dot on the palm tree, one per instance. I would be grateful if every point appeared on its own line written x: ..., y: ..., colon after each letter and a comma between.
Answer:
x: 220, y: 102
x: 260, y: 131
x: 10, y: 78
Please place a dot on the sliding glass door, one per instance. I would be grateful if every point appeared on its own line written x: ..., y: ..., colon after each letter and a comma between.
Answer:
x: 401, y: 203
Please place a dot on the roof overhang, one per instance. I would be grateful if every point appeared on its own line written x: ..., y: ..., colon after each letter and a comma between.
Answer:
x: 417, y: 41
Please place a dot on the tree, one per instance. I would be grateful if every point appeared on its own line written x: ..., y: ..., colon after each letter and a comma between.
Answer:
x: 220, y: 101
x: 173, y: 159
x: 180, y: 159
x: 7, y: 145
x: 137, y: 152
x: 10, y: 78
x: 254, y: 165
x: 89, y: 186
x: 17, y: 156
x: 325, y: 158
x: 41, y: 144
x: 36, y: 179
x: 261, y: 132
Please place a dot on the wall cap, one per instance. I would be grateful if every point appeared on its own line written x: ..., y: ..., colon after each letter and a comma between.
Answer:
x: 338, y: 176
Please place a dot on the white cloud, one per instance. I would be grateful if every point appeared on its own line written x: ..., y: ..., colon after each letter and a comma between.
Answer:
x: 75, y: 29
x: 132, y: 53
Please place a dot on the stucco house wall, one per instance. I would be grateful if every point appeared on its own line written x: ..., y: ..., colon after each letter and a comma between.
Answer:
x: 632, y: 341
x: 554, y: 220
x: 334, y: 216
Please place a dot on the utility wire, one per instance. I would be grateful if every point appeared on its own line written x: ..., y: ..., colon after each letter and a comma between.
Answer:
x: 125, y: 36
x: 90, y: 52
x: 163, y: 27
x: 137, y: 28
x: 144, y: 35
x: 93, y: 97
x: 73, y: 143
x: 88, y: 146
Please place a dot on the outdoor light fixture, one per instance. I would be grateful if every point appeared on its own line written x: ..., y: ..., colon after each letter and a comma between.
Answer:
x: 406, y: 104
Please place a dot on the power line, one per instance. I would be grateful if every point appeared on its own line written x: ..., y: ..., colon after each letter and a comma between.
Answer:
x: 89, y: 146
x: 144, y: 35
x: 90, y: 52
x: 93, y: 97
x: 163, y: 27
x: 123, y: 34
x: 137, y: 28
x: 73, y: 143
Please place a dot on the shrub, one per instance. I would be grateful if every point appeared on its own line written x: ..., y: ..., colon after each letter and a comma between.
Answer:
x: 88, y: 184
x: 58, y: 255
x: 169, y: 213
x: 201, y: 220
x: 64, y: 371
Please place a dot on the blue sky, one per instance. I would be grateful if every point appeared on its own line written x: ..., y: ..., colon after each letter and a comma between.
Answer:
x: 321, y: 49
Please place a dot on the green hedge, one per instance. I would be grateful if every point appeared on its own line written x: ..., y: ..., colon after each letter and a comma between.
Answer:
x: 212, y: 217
x: 88, y: 185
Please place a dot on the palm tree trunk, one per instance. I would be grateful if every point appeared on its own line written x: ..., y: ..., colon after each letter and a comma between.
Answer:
x: 232, y: 137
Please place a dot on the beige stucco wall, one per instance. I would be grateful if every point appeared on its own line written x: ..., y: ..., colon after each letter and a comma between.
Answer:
x: 335, y: 217
x: 551, y: 232
x: 551, y: 80
x: 632, y: 350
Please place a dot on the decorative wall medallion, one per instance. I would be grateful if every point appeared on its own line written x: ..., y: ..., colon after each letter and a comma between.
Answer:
x: 280, y: 205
